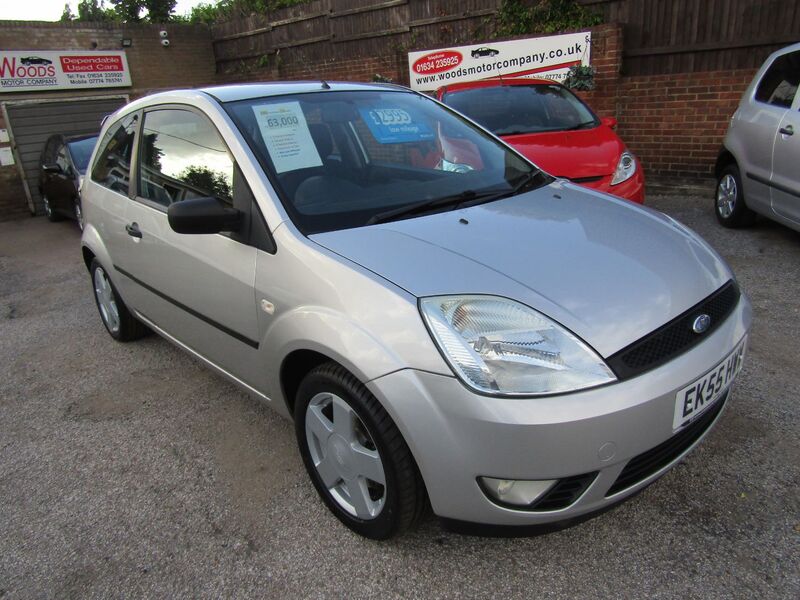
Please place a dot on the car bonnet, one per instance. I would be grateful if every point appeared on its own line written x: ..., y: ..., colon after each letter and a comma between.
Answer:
x: 608, y: 270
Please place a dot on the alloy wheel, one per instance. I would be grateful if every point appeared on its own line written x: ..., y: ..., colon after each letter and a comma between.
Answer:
x: 106, y: 301
x: 727, y: 193
x: 79, y: 215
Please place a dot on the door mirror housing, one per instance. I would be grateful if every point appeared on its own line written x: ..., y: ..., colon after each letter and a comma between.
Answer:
x: 610, y: 122
x: 203, y: 215
x: 52, y: 168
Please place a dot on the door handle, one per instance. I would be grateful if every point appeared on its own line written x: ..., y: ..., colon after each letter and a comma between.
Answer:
x: 788, y: 130
x: 133, y: 230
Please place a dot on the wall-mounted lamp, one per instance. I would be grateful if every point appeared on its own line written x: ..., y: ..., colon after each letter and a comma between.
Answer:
x: 127, y: 42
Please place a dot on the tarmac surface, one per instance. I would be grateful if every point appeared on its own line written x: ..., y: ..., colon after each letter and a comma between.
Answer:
x: 129, y: 470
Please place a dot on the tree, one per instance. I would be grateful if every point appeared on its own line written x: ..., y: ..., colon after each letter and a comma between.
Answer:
x: 89, y: 10
x: 206, y: 179
x: 128, y: 10
x: 159, y: 11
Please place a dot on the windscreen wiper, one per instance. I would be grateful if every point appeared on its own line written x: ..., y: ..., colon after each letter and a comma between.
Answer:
x: 421, y: 207
x: 581, y: 125
x: 464, y: 199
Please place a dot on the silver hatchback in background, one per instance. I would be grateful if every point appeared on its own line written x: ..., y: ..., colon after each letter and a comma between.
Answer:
x: 444, y: 322
x: 758, y: 169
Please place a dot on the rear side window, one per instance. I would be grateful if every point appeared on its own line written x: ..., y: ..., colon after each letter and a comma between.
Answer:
x: 112, y: 168
x: 182, y: 157
x: 779, y: 84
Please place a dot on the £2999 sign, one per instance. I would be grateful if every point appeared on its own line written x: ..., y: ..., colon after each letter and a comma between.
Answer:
x: 32, y: 70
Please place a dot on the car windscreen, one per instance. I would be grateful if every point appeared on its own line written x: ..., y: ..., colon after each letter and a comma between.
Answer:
x: 518, y: 109
x: 343, y: 159
x: 81, y: 152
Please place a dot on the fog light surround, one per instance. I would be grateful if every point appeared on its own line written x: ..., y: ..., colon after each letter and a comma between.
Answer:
x: 515, y: 492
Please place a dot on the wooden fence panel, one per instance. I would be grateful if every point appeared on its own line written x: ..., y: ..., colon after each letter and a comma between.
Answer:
x: 684, y: 36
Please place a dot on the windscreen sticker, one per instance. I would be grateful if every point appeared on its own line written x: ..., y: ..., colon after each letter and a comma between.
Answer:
x: 285, y: 133
x: 395, y: 125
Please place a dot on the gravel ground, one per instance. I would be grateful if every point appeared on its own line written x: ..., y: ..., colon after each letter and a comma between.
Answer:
x: 130, y: 470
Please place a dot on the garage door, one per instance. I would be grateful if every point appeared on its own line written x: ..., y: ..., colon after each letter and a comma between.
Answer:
x: 32, y: 123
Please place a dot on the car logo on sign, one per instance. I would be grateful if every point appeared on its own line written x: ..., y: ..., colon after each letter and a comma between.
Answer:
x: 701, y: 324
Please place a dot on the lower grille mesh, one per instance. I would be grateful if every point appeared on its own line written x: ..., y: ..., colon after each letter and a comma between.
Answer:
x: 564, y: 493
x: 643, y: 466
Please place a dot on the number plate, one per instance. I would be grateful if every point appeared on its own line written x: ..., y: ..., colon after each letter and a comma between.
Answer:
x: 695, y: 398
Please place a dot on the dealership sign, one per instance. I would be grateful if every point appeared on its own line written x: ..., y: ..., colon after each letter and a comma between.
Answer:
x: 548, y: 57
x: 36, y: 70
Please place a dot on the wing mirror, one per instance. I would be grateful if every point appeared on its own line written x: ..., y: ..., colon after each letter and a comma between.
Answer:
x: 202, y: 215
x: 609, y: 122
x: 52, y: 168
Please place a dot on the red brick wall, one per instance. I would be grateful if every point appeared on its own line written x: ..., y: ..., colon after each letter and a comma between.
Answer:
x: 187, y: 62
x: 676, y: 123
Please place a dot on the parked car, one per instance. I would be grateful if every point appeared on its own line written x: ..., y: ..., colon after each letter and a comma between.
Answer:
x: 34, y: 60
x: 757, y: 168
x: 442, y: 320
x: 484, y: 51
x: 64, y: 161
x: 553, y: 128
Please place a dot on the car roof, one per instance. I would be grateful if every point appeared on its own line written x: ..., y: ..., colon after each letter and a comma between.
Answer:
x: 246, y: 91
x: 494, y: 82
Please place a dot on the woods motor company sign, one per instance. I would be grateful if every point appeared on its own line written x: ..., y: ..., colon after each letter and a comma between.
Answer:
x: 547, y: 57
x: 36, y: 70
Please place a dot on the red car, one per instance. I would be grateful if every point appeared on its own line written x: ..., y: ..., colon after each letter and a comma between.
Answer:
x: 553, y: 128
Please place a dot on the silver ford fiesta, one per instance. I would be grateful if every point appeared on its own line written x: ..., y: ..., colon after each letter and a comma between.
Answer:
x: 444, y: 322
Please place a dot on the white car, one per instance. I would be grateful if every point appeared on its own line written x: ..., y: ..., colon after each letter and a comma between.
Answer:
x: 757, y: 169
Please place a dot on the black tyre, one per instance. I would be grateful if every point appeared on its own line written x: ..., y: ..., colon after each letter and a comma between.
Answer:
x: 356, y: 456
x: 51, y: 215
x: 729, y: 203
x: 119, y: 322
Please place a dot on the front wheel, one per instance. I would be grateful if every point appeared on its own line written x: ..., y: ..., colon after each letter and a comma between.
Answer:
x: 116, y: 317
x: 356, y: 456
x: 78, y: 213
x: 51, y: 214
x: 729, y: 204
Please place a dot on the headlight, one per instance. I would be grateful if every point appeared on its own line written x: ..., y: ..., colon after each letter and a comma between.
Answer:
x: 498, y: 346
x: 626, y: 167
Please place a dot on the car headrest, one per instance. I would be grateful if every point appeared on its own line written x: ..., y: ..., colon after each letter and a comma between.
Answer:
x: 322, y: 138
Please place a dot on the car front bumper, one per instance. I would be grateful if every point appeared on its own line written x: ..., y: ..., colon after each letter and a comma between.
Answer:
x: 457, y: 436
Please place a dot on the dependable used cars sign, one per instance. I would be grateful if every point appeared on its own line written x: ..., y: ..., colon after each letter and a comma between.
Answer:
x: 547, y: 57
x: 37, y: 70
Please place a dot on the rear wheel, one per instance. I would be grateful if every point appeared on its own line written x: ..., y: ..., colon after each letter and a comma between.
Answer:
x: 355, y: 455
x: 116, y: 317
x: 729, y: 204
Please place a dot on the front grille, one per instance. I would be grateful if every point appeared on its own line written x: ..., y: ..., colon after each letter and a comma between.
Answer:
x: 643, y: 466
x: 675, y: 337
x: 564, y: 493
x: 591, y: 179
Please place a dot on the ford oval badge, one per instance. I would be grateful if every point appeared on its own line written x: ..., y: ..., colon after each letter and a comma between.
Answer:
x: 701, y: 323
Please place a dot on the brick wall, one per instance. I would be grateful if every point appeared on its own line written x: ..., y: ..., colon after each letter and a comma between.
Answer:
x: 187, y: 62
x: 676, y: 123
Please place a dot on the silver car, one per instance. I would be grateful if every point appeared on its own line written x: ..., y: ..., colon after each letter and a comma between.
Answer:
x: 757, y: 169
x: 444, y: 322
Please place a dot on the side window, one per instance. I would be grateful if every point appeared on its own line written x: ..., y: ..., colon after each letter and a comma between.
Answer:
x: 112, y: 168
x: 779, y: 84
x: 61, y: 158
x: 182, y: 156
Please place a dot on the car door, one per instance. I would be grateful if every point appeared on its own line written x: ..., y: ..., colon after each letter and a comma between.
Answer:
x: 110, y: 181
x: 785, y: 178
x: 60, y: 186
x: 197, y: 289
x: 756, y: 124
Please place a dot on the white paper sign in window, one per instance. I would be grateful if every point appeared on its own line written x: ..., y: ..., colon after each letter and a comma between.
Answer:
x: 286, y: 135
